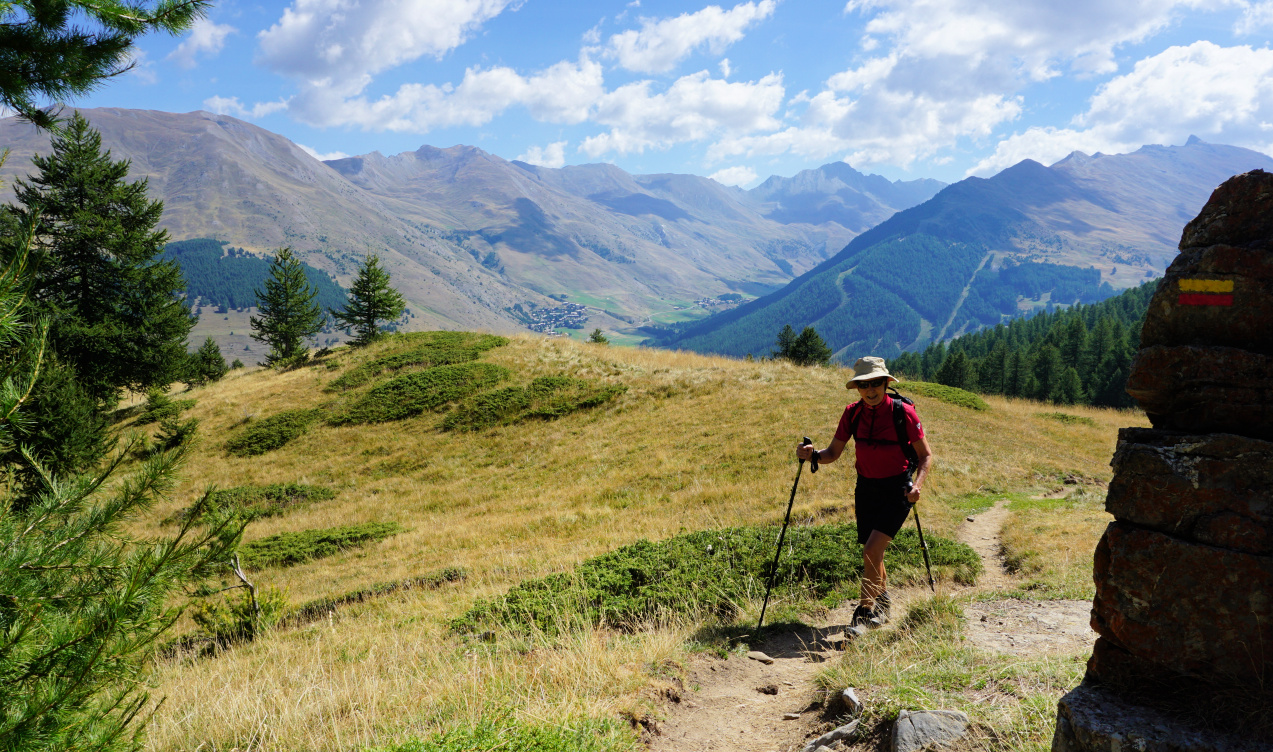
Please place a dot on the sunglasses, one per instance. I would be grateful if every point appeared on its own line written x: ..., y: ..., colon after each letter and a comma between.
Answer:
x: 872, y: 384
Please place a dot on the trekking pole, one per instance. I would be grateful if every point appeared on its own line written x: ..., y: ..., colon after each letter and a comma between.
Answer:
x: 773, y: 570
x: 924, y: 546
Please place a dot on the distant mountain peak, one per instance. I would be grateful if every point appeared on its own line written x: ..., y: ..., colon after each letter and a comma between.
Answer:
x: 1195, y: 141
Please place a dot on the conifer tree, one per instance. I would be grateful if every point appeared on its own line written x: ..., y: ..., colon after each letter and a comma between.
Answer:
x: 289, y: 313
x: 809, y: 349
x: 371, y: 300
x: 786, y: 342
x: 116, y: 315
x: 206, y: 364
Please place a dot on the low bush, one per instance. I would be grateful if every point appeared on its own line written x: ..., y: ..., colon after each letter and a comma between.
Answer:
x: 321, y: 607
x: 413, y: 393
x: 707, y: 572
x: 288, y: 549
x: 427, y: 349
x: 547, y: 397
x: 1067, y: 419
x: 252, y: 503
x: 160, y: 406
x: 950, y: 394
x: 232, y: 618
x: 268, y: 434
x: 563, y: 735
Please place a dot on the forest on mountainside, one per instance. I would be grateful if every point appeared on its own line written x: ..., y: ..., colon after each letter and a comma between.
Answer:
x: 1079, y: 355
x: 229, y: 278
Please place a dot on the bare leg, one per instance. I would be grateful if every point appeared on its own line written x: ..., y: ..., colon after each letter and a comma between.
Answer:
x: 874, y: 578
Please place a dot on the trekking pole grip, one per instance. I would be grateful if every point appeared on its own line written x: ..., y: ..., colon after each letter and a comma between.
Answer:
x: 813, y: 461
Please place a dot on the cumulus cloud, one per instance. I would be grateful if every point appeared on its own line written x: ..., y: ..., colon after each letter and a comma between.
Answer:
x: 205, y: 38
x: 232, y: 106
x: 662, y: 43
x: 735, y: 176
x: 341, y: 44
x: 552, y: 155
x: 1217, y: 93
x: 322, y: 157
x: 562, y: 93
x: 694, y: 108
x: 1256, y: 17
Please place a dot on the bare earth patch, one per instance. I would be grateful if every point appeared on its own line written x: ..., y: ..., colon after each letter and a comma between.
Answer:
x: 726, y: 707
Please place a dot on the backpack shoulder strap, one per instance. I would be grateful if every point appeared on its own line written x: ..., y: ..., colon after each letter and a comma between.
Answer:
x: 855, y: 416
x: 899, y: 426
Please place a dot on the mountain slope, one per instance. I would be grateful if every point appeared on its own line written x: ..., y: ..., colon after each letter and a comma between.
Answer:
x: 983, y: 250
x: 471, y: 239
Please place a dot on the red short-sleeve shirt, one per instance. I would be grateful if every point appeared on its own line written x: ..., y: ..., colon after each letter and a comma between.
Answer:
x: 880, y: 460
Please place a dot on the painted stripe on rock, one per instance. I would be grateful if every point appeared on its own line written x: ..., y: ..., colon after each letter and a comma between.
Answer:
x: 1201, y: 299
x: 1206, y: 285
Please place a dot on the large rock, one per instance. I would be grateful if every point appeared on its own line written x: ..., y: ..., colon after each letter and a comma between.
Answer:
x: 1201, y: 389
x: 1239, y: 211
x: 1215, y: 489
x: 1221, y: 295
x: 1093, y: 719
x: 927, y: 729
x: 1192, y: 608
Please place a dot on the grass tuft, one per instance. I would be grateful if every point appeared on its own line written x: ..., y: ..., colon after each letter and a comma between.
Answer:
x: 288, y: 549
x: 413, y: 393
x: 705, y: 572
x: 566, y: 735
x: 1067, y: 419
x: 547, y: 397
x: 268, y: 434
x: 948, y: 394
x: 427, y: 349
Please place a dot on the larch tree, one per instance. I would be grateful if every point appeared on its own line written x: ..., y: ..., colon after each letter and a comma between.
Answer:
x: 289, y: 313
x: 371, y: 300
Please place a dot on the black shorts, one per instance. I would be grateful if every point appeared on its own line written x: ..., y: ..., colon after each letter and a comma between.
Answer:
x: 881, y: 504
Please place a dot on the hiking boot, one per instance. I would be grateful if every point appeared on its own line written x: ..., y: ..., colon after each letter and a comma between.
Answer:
x: 878, y: 616
x: 861, y: 615
x: 884, y: 604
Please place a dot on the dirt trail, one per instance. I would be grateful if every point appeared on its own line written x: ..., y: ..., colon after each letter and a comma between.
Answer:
x: 740, y: 704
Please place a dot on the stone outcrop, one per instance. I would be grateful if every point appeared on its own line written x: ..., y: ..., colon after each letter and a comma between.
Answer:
x: 1184, y: 575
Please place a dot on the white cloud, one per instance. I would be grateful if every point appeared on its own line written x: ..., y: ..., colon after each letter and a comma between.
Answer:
x: 662, y: 43
x: 552, y: 155
x: 140, y: 68
x: 204, y: 37
x: 735, y: 176
x: 340, y: 44
x: 322, y: 157
x: 232, y: 106
x: 693, y: 108
x: 1256, y: 17
x: 562, y: 93
x: 1217, y: 93
x: 725, y: 68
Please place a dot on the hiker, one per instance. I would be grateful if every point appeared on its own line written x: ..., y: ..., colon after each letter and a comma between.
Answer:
x: 889, y: 474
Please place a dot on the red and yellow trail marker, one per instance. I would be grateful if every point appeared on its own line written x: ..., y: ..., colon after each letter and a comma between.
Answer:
x: 1206, y: 292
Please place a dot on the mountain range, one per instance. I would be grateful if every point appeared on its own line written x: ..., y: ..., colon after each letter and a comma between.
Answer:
x: 475, y: 241
x: 984, y: 250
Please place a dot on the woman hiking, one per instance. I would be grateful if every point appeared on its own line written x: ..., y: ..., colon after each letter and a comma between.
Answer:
x: 890, y: 474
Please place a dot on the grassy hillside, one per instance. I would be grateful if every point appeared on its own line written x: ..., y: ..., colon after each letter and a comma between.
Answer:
x: 683, y: 443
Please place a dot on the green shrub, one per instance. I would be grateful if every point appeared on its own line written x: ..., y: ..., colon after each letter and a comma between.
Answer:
x: 1067, y: 419
x: 288, y: 549
x: 428, y: 349
x: 951, y: 394
x: 252, y: 503
x: 321, y: 607
x: 173, y: 432
x: 707, y: 572
x: 413, y: 393
x: 160, y: 406
x: 232, y: 619
x: 564, y: 735
x: 547, y: 397
x: 268, y: 434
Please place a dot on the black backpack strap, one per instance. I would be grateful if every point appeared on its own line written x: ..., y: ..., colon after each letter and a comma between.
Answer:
x: 903, y: 438
x: 855, y: 417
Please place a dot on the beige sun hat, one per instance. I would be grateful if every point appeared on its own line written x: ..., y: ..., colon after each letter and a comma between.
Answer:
x: 869, y: 368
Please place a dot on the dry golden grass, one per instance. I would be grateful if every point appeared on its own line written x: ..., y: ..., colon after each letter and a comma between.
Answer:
x: 696, y: 442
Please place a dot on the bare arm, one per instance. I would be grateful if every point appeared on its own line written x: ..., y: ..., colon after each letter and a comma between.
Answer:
x: 825, y: 456
x: 925, y: 453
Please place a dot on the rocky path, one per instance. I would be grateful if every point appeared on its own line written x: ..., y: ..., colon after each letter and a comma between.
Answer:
x: 742, y: 704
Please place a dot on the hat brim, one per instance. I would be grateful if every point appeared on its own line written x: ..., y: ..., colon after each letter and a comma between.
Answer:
x: 870, y: 377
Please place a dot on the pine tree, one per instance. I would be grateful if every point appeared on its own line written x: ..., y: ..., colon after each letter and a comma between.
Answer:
x: 1048, y: 368
x: 371, y: 300
x: 786, y: 342
x: 289, y: 314
x: 206, y: 364
x: 956, y: 371
x: 809, y: 349
x: 1069, y: 390
x: 598, y: 338
x: 116, y: 314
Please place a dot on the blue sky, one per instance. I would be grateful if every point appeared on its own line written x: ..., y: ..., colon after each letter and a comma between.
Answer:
x: 737, y: 91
